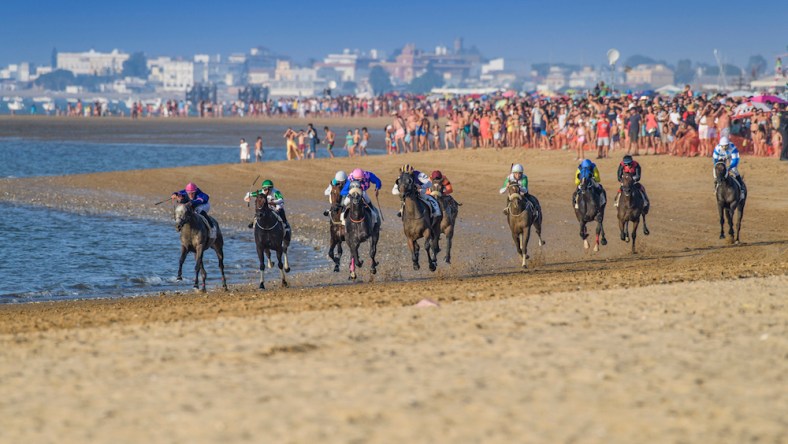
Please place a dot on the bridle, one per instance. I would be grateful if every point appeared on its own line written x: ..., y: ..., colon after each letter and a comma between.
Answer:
x: 410, y: 190
x: 355, y: 201
x: 261, y: 211
x: 515, y: 196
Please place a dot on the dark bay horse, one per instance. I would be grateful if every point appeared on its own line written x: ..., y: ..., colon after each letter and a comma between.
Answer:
x: 270, y: 234
x: 417, y: 221
x: 523, y: 213
x: 590, y: 205
x: 195, y: 238
x: 729, y: 199
x: 336, y: 229
x: 359, y: 227
x: 450, y: 209
x: 631, y: 207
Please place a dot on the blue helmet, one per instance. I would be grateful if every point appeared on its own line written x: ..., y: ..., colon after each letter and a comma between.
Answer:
x: 586, y: 163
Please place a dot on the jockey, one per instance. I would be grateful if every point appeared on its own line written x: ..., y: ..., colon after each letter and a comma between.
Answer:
x: 446, y: 187
x: 515, y: 175
x: 365, y: 179
x: 198, y: 199
x: 587, y: 167
x: 339, y: 179
x: 631, y: 166
x: 724, y: 151
x: 275, y: 200
x: 424, y: 184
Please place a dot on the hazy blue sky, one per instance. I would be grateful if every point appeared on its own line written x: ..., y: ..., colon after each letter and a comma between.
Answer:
x: 548, y: 31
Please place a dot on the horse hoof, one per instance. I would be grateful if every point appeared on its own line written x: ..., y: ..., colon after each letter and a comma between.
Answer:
x: 262, y: 286
x: 179, y: 278
x: 646, y: 232
x: 527, y: 256
x: 623, y: 237
x: 416, y: 266
x: 447, y: 260
x: 542, y: 243
x: 287, y: 270
x: 374, y: 270
x: 285, y: 284
x: 336, y: 268
x: 433, y: 267
x: 585, y: 244
x: 596, y: 248
x: 722, y: 236
x: 604, y: 241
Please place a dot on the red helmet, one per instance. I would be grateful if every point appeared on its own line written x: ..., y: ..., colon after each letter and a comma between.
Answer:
x: 436, y: 175
x: 191, y: 187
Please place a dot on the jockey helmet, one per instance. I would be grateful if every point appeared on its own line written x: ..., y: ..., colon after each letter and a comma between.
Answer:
x: 627, y: 160
x: 357, y: 174
x: 436, y: 175
x: 586, y: 163
x: 191, y: 187
x: 724, y: 141
x: 267, y: 184
x: 340, y: 176
x: 406, y: 168
x: 517, y: 168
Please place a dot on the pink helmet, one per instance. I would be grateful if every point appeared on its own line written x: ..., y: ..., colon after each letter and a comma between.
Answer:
x: 357, y: 174
x: 191, y: 187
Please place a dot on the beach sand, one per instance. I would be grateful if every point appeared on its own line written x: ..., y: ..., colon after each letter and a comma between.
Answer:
x: 683, y: 342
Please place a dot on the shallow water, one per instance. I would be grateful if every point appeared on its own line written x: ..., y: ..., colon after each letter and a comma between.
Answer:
x: 50, y: 255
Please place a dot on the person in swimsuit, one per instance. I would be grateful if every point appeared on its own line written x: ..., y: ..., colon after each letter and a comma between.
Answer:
x: 330, y: 138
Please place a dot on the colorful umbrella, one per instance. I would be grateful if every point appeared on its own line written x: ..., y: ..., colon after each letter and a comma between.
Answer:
x: 768, y: 99
x: 501, y: 103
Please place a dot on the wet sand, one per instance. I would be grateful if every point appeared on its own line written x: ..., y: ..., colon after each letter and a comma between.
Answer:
x: 683, y: 342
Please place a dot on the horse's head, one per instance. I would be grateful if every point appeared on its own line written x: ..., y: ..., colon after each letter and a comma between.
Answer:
x: 721, y: 171
x: 437, y: 188
x: 586, y: 178
x: 626, y: 183
x: 335, y: 197
x: 261, y: 207
x: 183, y: 213
x: 406, y: 184
x: 513, y: 190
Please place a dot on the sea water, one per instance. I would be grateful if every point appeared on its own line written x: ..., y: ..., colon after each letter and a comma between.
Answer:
x: 50, y: 255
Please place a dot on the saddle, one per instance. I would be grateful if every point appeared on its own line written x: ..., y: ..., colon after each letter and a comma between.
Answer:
x: 210, y: 223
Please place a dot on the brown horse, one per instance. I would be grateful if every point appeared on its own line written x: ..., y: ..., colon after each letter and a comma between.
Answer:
x: 417, y: 221
x: 195, y: 238
x: 450, y: 209
x: 524, y: 211
x: 729, y: 199
x: 336, y: 229
x: 360, y: 226
x: 631, y: 207
x: 589, y: 202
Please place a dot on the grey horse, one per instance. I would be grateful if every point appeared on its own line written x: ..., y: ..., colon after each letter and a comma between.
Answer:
x: 195, y: 238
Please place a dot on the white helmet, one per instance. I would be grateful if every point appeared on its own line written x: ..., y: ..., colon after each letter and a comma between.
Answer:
x: 340, y: 176
x: 724, y: 141
x: 517, y: 168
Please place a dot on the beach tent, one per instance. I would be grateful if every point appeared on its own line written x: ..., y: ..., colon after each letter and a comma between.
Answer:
x: 741, y: 93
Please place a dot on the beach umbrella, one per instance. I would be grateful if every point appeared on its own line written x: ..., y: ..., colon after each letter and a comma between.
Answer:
x: 501, y: 103
x: 740, y: 93
x: 510, y: 93
x: 768, y: 99
x: 747, y: 109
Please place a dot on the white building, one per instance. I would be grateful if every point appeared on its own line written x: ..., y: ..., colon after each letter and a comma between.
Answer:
x: 92, y: 62
x: 289, y: 81
x: 586, y: 78
x: 344, y: 64
x: 653, y: 75
x: 556, y: 79
x: 171, y: 75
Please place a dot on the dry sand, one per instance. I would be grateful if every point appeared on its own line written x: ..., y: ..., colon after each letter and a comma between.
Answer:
x: 669, y: 345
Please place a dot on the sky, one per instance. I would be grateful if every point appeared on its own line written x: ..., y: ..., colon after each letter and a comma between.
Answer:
x: 523, y: 32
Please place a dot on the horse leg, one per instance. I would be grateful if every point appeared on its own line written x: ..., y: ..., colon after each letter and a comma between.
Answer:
x: 729, y: 216
x: 584, y: 234
x: 645, y: 227
x: 525, y: 245
x: 219, y: 248
x: 282, y: 267
x: 373, y: 250
x: 414, y: 253
x: 722, y: 219
x: 429, y: 248
x: 739, y: 215
x: 600, y: 219
x: 184, y: 252
x: 622, y: 228
x: 198, y: 252
x: 261, y: 258
x: 538, y: 226
x: 449, y: 236
x: 268, y: 253
x: 598, y: 233
x: 334, y: 259
x: 635, y: 224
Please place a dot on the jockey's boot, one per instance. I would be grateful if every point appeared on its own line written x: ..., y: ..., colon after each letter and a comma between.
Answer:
x: 210, y: 222
x: 284, y: 219
x: 741, y: 184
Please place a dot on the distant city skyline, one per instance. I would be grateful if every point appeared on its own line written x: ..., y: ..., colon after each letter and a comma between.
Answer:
x: 522, y: 32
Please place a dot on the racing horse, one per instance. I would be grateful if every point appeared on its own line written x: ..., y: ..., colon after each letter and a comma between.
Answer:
x: 729, y: 199
x: 589, y: 202
x: 450, y: 209
x: 336, y: 229
x: 270, y: 234
x: 196, y: 238
x: 417, y: 221
x: 523, y: 212
x: 359, y: 227
x: 631, y: 207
